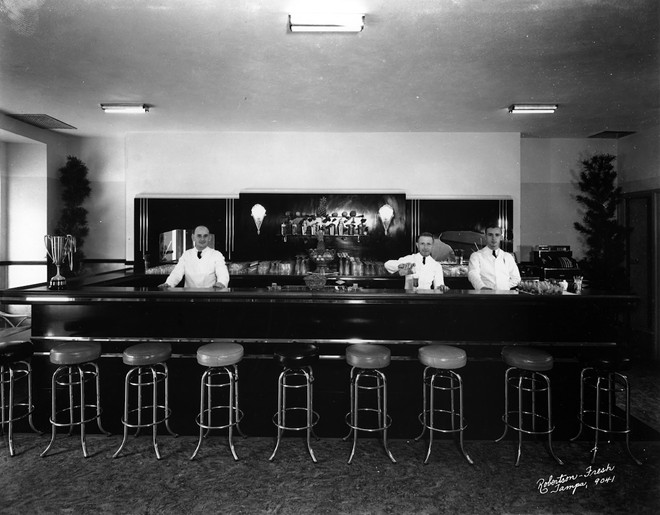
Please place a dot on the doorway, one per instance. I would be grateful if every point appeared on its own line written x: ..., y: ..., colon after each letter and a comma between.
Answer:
x: 641, y: 216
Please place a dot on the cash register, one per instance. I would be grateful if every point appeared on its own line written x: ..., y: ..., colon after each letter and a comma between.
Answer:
x: 552, y: 262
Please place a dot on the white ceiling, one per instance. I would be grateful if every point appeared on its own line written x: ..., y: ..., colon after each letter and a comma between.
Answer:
x: 419, y: 65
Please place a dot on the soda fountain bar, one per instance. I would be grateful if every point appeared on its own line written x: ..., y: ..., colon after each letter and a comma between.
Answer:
x: 273, y: 244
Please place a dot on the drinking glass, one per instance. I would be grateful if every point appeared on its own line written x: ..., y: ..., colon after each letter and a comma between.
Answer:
x: 577, y: 283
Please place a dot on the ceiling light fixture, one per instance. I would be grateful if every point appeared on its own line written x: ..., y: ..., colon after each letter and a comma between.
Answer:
x: 326, y: 22
x: 125, y: 108
x: 532, y: 108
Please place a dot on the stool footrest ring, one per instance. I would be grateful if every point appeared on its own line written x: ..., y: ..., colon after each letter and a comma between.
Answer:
x: 435, y: 428
x: 76, y: 411
x: 167, y: 413
x: 29, y: 409
x: 238, y: 416
x: 388, y: 421
x: 527, y: 431
x: 315, y: 419
x: 605, y: 416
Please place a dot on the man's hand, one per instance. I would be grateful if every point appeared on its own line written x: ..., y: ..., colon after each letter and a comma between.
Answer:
x: 220, y: 286
x: 163, y: 286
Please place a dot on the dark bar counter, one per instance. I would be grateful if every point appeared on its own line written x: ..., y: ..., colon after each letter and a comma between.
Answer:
x: 132, y: 313
x: 479, y: 321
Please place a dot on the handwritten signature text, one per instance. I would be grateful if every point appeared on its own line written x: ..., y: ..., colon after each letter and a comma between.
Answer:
x: 574, y: 482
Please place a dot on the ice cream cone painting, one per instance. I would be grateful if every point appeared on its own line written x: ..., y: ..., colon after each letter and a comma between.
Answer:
x: 258, y: 213
x: 386, y: 213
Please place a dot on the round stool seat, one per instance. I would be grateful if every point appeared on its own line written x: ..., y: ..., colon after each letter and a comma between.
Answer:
x: 144, y: 354
x: 602, y: 376
x: 368, y: 356
x: 527, y: 358
x: 11, y: 352
x: 442, y: 356
x: 607, y: 363
x: 297, y: 356
x: 219, y: 354
x: 75, y: 353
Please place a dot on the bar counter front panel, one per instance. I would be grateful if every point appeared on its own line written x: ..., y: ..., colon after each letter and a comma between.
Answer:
x: 258, y: 314
x: 480, y: 322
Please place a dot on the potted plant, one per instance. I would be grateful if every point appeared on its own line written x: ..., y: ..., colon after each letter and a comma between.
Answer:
x: 603, y: 235
x: 73, y: 217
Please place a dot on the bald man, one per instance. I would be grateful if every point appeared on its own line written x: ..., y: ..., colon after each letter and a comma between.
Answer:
x: 202, y: 266
x: 422, y: 265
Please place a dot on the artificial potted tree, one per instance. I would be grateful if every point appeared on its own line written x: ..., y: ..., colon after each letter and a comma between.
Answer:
x: 603, y: 235
x: 75, y: 189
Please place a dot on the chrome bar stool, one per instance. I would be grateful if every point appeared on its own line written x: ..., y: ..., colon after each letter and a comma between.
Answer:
x: 296, y: 376
x: 366, y: 360
x: 76, y: 367
x: 148, y: 370
x: 14, y: 367
x: 524, y: 375
x: 439, y: 376
x: 221, y: 372
x: 603, y: 377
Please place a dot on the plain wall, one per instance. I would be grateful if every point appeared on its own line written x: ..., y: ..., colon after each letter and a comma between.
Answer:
x: 26, y: 200
x: 24, y: 211
x: 106, y: 161
x: 639, y: 161
x: 538, y: 174
x: 3, y: 201
x: 423, y: 165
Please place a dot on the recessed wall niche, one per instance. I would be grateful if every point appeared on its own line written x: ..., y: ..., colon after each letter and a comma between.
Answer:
x: 240, y: 237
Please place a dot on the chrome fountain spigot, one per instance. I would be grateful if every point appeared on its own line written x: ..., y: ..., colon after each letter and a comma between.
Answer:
x: 320, y: 255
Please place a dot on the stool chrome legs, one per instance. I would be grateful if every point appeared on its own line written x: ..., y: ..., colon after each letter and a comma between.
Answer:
x: 70, y: 376
x: 9, y: 375
x: 375, y: 381
x: 609, y: 383
x: 453, y: 382
x: 295, y: 379
x: 141, y: 377
x: 206, y: 406
x: 528, y: 381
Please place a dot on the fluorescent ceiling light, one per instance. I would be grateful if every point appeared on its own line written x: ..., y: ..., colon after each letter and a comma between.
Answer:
x: 125, y: 108
x: 46, y: 298
x: 532, y: 108
x: 326, y: 22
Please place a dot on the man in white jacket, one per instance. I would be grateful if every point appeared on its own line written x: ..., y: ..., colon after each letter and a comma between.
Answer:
x: 420, y: 266
x: 203, y: 267
x: 491, y: 268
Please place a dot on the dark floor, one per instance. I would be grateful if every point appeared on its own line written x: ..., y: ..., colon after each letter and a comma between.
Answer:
x: 214, y: 483
x: 136, y: 483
